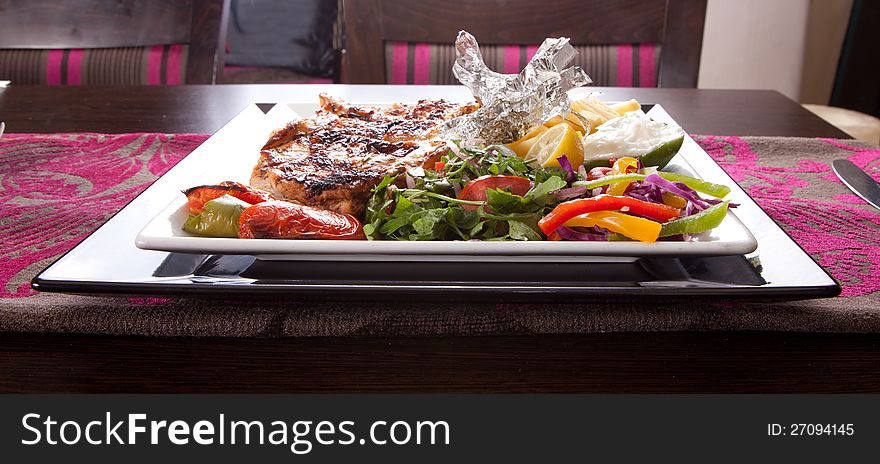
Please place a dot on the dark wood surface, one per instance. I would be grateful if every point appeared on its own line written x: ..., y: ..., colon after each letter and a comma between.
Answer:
x: 677, y: 24
x: 204, y: 109
x: 622, y: 362
x: 612, y: 363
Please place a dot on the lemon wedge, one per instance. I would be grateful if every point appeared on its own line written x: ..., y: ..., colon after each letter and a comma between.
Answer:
x: 559, y: 140
x: 521, y: 147
x: 569, y: 119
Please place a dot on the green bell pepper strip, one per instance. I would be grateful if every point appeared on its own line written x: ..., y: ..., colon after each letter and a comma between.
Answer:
x: 608, y: 180
x: 716, y: 190
x: 218, y: 219
x: 694, y: 224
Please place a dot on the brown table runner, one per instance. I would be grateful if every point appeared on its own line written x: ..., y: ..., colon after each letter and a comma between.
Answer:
x: 56, y: 189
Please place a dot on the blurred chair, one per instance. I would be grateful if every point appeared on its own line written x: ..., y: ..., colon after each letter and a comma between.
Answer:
x: 626, y: 43
x: 111, y: 42
x: 282, y: 41
x: 855, y: 98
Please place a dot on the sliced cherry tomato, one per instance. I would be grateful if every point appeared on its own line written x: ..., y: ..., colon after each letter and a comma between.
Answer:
x: 196, y: 197
x: 439, y: 165
x: 598, y: 173
x: 475, y: 190
x: 282, y: 219
x: 569, y: 209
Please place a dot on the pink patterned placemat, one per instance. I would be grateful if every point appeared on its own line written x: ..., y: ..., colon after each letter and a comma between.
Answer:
x: 56, y: 189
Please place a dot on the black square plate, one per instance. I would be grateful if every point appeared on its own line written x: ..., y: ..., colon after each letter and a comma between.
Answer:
x: 108, y: 261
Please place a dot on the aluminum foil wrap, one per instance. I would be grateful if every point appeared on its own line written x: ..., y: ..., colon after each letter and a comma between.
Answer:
x: 512, y: 103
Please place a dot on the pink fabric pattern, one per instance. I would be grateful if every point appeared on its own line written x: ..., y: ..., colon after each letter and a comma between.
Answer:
x: 154, y: 65
x: 624, y: 65
x: 422, y: 64
x: 398, y: 72
x: 840, y: 232
x: 511, y: 59
x: 53, y: 67
x: 175, y: 64
x: 530, y: 52
x: 74, y: 67
x: 646, y: 65
x: 56, y: 189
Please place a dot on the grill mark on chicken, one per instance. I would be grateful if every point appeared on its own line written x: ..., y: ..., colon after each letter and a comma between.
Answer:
x: 333, y: 159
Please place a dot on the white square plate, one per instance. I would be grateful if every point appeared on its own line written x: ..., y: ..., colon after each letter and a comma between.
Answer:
x: 231, y: 155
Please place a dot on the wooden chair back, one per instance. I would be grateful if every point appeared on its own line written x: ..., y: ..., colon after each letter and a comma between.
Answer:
x: 675, y: 24
x: 98, y: 24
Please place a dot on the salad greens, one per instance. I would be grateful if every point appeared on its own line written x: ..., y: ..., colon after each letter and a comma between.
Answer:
x: 492, y: 194
x: 428, y: 210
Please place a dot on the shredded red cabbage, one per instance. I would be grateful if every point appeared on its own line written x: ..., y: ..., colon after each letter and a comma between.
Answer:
x: 645, y: 191
x: 566, y: 164
x: 681, y: 190
x: 568, y: 233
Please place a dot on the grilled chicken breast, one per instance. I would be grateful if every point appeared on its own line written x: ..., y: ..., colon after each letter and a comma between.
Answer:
x: 333, y: 159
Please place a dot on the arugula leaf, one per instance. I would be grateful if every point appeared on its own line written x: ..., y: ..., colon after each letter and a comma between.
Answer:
x: 541, y: 191
x: 504, y: 202
x: 521, y: 231
x: 428, y: 226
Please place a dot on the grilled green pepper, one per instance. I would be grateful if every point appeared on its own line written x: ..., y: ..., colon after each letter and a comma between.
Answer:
x: 218, y: 219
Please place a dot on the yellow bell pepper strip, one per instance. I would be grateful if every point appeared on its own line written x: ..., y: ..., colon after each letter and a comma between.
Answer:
x: 618, y: 188
x: 623, y: 165
x: 636, y: 228
x: 674, y: 201
x: 569, y: 209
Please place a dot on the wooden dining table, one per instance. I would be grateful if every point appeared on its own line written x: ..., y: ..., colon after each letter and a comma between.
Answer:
x: 679, y: 361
